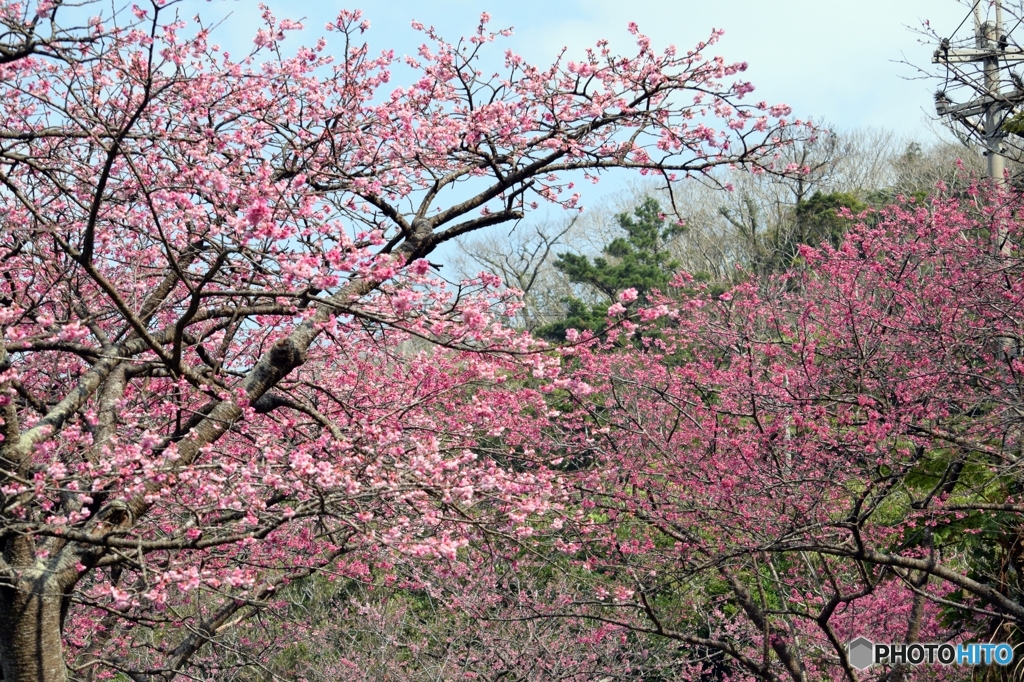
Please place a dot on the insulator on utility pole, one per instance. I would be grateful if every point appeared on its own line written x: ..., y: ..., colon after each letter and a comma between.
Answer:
x: 985, y: 115
x: 989, y: 110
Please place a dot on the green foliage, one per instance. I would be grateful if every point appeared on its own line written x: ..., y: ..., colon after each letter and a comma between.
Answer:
x: 818, y: 219
x: 1015, y: 124
x: 638, y: 260
x: 579, y: 315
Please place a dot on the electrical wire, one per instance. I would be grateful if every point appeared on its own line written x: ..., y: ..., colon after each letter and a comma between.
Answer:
x: 945, y: 85
x: 969, y: 13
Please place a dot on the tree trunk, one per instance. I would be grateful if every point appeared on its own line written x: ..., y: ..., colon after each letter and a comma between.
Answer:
x: 30, y: 639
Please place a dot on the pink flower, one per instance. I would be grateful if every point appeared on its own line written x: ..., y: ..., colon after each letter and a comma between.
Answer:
x: 616, y: 310
x: 263, y: 38
x: 257, y: 212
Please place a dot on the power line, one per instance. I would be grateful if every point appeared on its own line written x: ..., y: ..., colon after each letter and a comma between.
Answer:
x: 992, y: 108
x: 949, y: 40
x: 969, y: 13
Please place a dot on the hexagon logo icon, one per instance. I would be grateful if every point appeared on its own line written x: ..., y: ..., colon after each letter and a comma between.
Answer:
x: 860, y: 652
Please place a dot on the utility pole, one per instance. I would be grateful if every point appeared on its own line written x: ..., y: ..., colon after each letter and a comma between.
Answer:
x: 991, y: 46
x: 984, y: 116
x: 988, y: 36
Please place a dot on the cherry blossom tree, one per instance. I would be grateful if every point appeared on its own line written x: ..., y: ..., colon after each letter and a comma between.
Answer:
x: 226, y: 362
x: 754, y: 478
x: 806, y: 459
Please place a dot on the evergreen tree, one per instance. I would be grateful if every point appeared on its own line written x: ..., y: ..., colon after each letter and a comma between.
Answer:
x: 819, y: 219
x: 640, y: 260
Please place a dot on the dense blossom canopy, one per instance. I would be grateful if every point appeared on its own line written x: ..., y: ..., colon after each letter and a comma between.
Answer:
x: 769, y: 473
x: 226, y: 362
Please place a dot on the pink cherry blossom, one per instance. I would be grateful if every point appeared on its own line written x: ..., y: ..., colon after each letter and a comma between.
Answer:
x: 226, y: 364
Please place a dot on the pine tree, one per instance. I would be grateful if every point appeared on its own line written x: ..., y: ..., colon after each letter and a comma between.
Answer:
x: 639, y: 260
